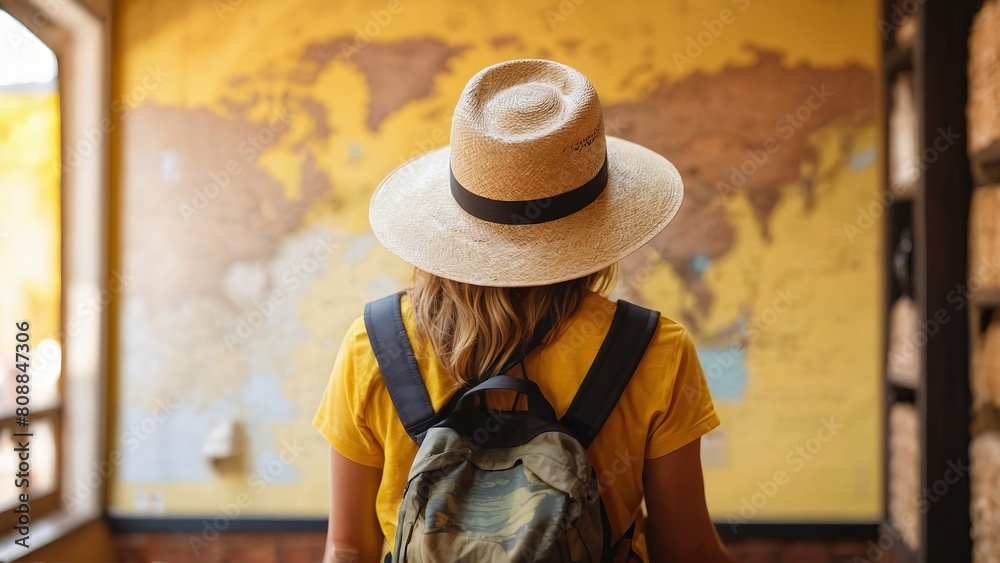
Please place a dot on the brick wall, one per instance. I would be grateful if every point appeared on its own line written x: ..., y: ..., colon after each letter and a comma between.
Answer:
x: 307, y: 547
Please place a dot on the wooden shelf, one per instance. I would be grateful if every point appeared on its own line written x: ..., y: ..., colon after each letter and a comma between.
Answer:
x: 938, y: 218
x: 899, y: 58
x: 899, y: 198
x: 902, y: 393
x: 901, y: 553
x: 985, y: 418
x: 987, y: 297
x: 986, y: 165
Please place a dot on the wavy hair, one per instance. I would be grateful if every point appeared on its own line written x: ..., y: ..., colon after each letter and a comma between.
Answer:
x: 475, y: 329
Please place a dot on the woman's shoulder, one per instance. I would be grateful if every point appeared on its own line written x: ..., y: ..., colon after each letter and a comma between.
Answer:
x: 670, y: 352
x: 597, y: 311
x: 359, y: 344
x: 358, y: 348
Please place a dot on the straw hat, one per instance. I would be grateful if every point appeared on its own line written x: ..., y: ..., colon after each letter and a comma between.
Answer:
x: 530, y: 191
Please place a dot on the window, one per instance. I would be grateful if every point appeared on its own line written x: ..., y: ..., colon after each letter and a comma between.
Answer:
x: 53, y: 246
x: 30, y: 250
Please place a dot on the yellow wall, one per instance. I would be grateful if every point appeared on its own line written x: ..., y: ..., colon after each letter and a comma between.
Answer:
x: 252, y: 134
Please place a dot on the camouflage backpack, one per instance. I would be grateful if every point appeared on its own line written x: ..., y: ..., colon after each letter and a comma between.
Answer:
x: 491, y: 485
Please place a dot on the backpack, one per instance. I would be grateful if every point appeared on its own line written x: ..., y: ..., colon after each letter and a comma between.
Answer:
x: 497, y: 485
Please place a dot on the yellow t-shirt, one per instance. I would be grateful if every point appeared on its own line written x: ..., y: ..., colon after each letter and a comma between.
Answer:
x: 666, y: 405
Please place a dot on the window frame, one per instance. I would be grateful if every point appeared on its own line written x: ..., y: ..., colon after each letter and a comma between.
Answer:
x: 79, y: 34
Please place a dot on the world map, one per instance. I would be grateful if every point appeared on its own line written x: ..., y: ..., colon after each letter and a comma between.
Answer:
x: 246, y: 182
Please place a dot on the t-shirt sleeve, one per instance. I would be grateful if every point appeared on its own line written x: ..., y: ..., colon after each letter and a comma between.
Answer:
x: 341, y: 415
x: 688, y: 411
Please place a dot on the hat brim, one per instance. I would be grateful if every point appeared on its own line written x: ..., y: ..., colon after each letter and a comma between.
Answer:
x: 414, y: 215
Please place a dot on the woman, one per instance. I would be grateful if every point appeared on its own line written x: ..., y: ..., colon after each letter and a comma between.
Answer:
x: 523, y: 218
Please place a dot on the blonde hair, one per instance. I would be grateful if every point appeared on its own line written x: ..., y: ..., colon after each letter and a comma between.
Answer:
x: 475, y: 329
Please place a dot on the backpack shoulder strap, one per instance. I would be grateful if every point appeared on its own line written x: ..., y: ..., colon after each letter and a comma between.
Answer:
x: 398, y: 364
x: 631, y: 331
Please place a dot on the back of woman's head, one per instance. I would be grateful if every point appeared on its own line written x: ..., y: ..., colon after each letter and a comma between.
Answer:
x: 530, y: 191
x: 474, y: 329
